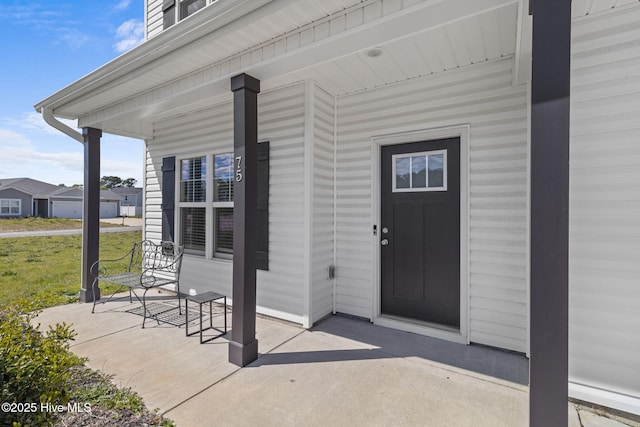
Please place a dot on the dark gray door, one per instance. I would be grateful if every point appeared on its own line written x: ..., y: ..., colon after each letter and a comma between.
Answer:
x: 420, y: 231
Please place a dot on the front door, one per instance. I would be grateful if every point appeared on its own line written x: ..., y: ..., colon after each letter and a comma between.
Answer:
x: 420, y: 231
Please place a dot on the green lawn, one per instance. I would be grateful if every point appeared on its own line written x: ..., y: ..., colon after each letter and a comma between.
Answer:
x: 36, y: 224
x: 46, y: 270
x: 39, y: 272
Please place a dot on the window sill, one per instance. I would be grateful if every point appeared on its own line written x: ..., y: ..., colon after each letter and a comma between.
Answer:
x: 205, y: 259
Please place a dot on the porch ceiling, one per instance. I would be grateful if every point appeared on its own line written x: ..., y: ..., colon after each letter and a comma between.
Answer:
x: 581, y: 8
x: 478, y: 38
x: 188, y: 67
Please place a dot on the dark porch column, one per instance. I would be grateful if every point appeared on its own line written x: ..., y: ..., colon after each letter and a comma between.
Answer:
x: 90, y: 210
x: 549, y: 372
x: 243, y: 347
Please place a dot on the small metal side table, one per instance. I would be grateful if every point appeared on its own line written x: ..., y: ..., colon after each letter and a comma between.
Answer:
x: 206, y: 297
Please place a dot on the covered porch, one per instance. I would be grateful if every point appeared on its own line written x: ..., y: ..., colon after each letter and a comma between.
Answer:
x: 320, y: 376
x: 344, y: 371
x: 336, y: 81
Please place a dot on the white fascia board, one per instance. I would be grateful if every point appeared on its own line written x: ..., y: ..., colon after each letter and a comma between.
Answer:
x: 213, y: 81
x: 208, y: 20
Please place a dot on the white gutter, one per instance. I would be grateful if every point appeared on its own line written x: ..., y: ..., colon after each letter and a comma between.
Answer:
x: 47, y: 115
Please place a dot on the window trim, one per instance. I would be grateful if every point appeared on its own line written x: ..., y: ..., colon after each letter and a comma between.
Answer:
x: 426, y: 154
x: 183, y: 8
x: 9, y: 205
x: 175, y: 8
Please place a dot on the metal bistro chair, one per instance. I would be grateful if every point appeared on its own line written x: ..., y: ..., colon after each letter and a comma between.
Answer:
x: 145, y: 266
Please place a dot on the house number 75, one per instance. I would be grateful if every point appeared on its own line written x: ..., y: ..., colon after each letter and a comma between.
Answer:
x: 239, y: 169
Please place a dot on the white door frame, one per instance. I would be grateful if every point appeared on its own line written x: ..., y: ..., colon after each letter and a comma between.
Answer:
x: 377, y: 142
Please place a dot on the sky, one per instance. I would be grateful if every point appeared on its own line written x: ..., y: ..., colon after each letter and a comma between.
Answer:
x: 47, y: 45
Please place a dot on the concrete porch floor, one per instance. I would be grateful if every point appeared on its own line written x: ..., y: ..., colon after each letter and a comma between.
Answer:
x: 343, y: 372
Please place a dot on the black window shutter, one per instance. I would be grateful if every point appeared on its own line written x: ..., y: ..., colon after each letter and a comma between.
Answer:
x: 168, y: 198
x: 262, y: 255
x: 166, y: 4
x: 168, y: 13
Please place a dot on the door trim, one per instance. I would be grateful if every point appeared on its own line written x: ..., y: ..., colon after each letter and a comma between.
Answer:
x: 377, y: 142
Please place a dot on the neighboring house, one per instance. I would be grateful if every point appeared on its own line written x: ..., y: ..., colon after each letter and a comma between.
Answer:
x: 24, y: 197
x: 399, y: 158
x: 130, y: 200
x: 67, y: 203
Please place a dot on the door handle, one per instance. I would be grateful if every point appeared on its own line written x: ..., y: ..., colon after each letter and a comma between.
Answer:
x: 384, y: 242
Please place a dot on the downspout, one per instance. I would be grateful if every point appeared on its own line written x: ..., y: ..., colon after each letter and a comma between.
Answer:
x: 47, y: 115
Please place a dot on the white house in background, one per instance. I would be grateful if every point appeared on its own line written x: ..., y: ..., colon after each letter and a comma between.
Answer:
x: 24, y: 197
x: 67, y: 203
x: 399, y: 160
x: 130, y: 200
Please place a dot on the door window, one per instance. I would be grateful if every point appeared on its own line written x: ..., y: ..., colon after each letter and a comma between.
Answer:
x: 425, y: 171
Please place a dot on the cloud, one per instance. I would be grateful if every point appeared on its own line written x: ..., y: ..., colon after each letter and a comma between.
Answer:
x: 122, y: 5
x: 21, y: 158
x: 31, y: 148
x: 43, y: 18
x: 72, y: 37
x: 129, y: 35
x: 28, y: 13
x: 45, y: 21
x: 33, y: 122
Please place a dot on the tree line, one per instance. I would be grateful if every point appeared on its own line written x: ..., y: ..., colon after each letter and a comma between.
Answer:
x: 107, y: 182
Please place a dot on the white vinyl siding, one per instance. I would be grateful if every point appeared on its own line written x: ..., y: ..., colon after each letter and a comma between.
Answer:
x: 482, y: 96
x: 604, y: 233
x: 152, y: 197
x: 323, y: 190
x: 281, y: 121
x: 154, y: 18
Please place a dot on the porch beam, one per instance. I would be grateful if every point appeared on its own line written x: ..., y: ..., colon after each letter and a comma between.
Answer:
x: 90, y: 211
x: 550, y: 94
x: 243, y: 347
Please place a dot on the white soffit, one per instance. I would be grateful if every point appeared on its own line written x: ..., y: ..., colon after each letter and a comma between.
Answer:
x: 482, y: 37
x: 416, y: 38
x: 580, y: 8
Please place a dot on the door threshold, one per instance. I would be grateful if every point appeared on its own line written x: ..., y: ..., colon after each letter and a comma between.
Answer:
x: 434, y: 330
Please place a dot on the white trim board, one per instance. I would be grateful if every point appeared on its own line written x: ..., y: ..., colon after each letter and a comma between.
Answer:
x: 606, y: 398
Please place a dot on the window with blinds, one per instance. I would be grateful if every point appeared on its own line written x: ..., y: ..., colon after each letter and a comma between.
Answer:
x: 193, y: 207
x: 193, y: 221
x: 206, y: 195
x: 223, y: 205
x: 223, y: 232
x: 193, y: 180
x: 204, y: 215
